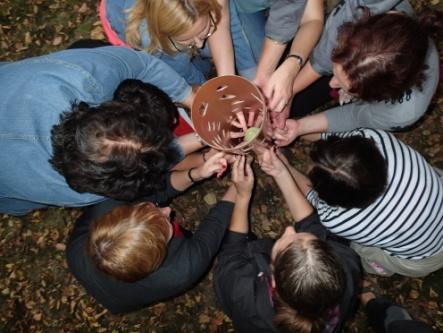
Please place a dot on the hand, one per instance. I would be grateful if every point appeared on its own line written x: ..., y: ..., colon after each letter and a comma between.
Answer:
x: 271, y: 163
x: 278, y: 119
x: 283, y: 137
x: 216, y: 164
x: 278, y: 89
x: 243, y: 176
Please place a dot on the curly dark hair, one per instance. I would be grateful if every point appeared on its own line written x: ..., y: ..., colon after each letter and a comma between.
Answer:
x: 384, y: 55
x: 348, y: 172
x: 121, y: 149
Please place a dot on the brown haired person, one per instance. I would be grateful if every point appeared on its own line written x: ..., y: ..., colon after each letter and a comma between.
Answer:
x: 304, y: 282
x: 383, y: 63
x: 130, y: 255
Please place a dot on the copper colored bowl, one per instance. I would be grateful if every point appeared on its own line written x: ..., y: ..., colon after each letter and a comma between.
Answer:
x: 224, y: 108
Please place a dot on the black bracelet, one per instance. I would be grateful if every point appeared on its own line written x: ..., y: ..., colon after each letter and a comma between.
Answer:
x: 189, y: 175
x: 297, y: 57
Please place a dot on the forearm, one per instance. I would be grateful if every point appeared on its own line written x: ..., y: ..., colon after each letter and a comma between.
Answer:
x: 309, y: 30
x: 190, y: 143
x: 239, y: 220
x: 305, y: 78
x: 231, y: 194
x: 181, y: 179
x: 294, y: 197
x: 220, y: 43
x: 269, y: 59
x: 303, y: 182
x: 311, y: 126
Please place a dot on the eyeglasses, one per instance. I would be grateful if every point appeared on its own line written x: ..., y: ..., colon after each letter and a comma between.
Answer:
x: 212, y: 27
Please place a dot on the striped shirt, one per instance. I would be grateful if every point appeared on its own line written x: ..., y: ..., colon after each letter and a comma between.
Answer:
x: 406, y: 221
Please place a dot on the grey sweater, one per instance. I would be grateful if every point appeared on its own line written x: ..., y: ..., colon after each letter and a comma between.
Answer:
x: 387, y: 115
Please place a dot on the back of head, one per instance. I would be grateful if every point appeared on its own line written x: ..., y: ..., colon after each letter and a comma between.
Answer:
x: 129, y: 242
x: 119, y: 149
x: 348, y: 172
x: 167, y: 18
x: 309, y: 283
x: 383, y: 55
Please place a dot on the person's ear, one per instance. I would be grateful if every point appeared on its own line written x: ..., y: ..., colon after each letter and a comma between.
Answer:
x: 272, y: 281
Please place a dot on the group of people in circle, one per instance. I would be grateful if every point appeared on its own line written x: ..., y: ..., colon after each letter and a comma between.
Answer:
x: 94, y: 126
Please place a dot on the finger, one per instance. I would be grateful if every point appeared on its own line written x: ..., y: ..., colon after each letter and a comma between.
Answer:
x: 281, y: 143
x: 235, y: 170
x: 235, y: 135
x: 280, y: 105
x: 251, y: 117
x: 241, y: 118
x: 216, y: 157
x: 280, y: 136
x: 237, y: 124
x: 248, y: 171
x: 241, y: 168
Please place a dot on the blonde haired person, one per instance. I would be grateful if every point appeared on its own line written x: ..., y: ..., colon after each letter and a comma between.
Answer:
x: 131, y: 255
x: 177, y: 30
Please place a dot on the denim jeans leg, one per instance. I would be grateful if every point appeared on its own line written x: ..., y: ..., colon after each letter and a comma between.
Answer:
x: 248, y: 32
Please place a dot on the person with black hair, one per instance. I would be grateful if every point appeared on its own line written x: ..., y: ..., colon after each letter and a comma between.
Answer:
x: 380, y: 194
x: 68, y: 141
x: 305, y: 281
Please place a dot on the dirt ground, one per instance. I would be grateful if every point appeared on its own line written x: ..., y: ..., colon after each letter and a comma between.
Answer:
x: 37, y: 293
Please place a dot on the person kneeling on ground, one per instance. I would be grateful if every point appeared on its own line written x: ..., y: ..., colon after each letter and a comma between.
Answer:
x: 68, y: 141
x: 131, y: 255
x: 380, y: 194
x: 304, y: 282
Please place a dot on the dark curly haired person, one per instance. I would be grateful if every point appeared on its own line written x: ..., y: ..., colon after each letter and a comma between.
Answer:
x: 68, y: 141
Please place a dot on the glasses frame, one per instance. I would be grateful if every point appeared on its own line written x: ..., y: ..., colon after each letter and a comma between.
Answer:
x: 191, y: 46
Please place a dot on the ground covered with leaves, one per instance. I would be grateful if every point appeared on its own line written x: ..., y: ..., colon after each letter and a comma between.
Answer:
x: 37, y: 293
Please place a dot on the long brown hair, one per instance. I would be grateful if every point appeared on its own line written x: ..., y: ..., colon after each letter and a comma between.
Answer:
x: 383, y: 55
x: 309, y: 283
x: 167, y: 18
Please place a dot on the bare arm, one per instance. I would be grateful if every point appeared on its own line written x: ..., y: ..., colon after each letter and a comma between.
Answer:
x: 243, y: 178
x: 220, y: 43
x: 190, y: 143
x: 277, y: 86
x: 292, y: 188
x: 183, y: 179
x: 305, y: 78
x: 308, y: 128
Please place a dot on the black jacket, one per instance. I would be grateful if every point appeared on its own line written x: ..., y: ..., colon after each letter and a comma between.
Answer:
x: 186, y: 261
x: 242, y: 277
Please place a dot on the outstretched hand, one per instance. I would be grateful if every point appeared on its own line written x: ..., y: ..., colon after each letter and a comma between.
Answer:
x: 243, y: 176
x: 216, y: 164
x: 285, y: 136
x: 271, y: 164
